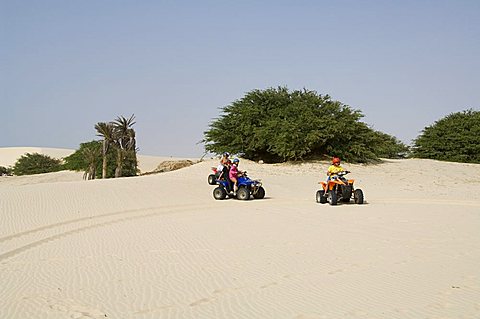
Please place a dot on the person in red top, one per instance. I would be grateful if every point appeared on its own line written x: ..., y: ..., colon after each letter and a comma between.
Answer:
x: 234, y: 174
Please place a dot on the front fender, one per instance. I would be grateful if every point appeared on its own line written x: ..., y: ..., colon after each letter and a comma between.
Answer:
x: 331, y: 184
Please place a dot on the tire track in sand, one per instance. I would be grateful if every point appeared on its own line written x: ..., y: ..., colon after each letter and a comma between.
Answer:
x: 83, y: 224
x: 77, y: 220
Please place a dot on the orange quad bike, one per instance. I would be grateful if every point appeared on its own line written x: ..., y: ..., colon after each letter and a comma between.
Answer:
x: 339, y: 189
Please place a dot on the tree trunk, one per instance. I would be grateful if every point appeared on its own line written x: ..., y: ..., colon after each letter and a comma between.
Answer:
x: 104, y: 164
x: 91, y: 172
x: 94, y: 172
x: 118, y: 169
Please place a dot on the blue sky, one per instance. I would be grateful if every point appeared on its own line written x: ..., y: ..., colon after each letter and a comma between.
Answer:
x: 66, y: 65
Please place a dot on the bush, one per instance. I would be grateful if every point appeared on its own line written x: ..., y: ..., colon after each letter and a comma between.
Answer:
x: 77, y: 160
x: 453, y: 138
x: 5, y: 170
x: 34, y: 163
x: 387, y: 146
x: 277, y: 125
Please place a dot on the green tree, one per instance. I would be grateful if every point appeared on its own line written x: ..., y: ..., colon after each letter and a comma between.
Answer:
x: 34, y: 163
x: 277, y: 125
x: 106, y: 131
x: 452, y: 138
x: 81, y: 160
x: 92, y: 157
x: 87, y: 159
x: 118, y: 149
x: 125, y: 144
x: 77, y: 161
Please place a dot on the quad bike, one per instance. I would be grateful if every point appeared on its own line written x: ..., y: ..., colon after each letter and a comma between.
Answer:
x: 246, y: 187
x: 339, y: 189
x: 212, y: 178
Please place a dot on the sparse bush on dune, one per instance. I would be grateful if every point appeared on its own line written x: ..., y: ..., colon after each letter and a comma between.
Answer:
x: 277, y: 125
x: 34, y: 163
x: 173, y: 165
x: 453, y: 138
x: 5, y: 171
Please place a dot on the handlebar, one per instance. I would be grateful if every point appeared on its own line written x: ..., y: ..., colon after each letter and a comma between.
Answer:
x: 342, y: 173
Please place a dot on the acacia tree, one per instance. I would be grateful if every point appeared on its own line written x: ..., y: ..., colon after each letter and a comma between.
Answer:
x: 452, y: 138
x: 277, y: 125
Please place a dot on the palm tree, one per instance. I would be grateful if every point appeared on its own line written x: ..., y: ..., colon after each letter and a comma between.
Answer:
x: 91, y: 155
x: 125, y: 141
x: 105, y: 130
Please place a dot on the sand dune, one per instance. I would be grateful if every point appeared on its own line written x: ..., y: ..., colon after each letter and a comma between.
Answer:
x: 9, y: 155
x: 160, y: 246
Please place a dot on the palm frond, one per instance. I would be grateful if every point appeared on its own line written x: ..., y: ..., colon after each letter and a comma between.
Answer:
x: 105, y: 130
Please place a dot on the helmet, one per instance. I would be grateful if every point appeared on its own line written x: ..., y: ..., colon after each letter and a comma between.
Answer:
x: 226, y: 154
x: 236, y: 161
x: 335, y: 160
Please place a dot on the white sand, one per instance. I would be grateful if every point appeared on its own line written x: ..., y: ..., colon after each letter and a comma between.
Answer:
x: 160, y: 246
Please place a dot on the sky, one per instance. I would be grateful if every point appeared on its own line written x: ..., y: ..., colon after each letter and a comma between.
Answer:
x: 66, y: 65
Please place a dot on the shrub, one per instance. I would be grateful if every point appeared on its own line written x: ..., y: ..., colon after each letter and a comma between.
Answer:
x: 452, y: 138
x: 34, y: 163
x: 5, y: 170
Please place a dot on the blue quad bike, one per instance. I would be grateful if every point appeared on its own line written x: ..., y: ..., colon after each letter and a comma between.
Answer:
x: 246, y: 188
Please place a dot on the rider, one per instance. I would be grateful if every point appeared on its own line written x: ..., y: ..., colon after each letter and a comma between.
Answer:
x: 234, y: 174
x: 224, y: 175
x: 225, y: 170
x: 225, y: 157
x: 335, y: 168
x: 223, y: 162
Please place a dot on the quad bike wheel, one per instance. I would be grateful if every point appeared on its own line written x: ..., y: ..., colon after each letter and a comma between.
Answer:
x: 211, y: 179
x: 260, y: 193
x: 243, y: 193
x: 346, y: 193
x: 332, y: 197
x: 358, y: 196
x: 320, y: 197
x: 219, y: 193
